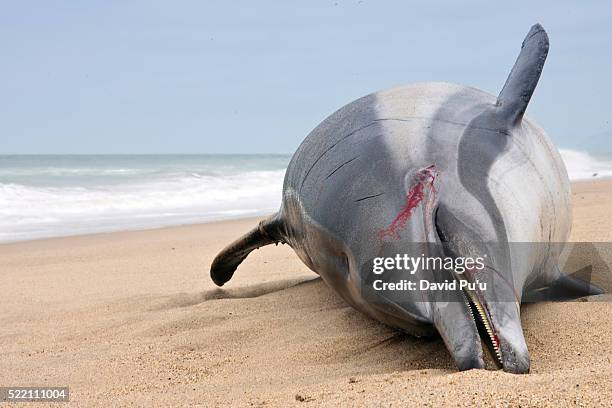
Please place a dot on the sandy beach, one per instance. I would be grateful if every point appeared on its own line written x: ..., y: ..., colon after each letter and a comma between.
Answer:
x: 132, y: 319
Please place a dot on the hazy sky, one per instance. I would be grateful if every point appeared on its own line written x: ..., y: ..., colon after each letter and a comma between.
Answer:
x: 257, y: 76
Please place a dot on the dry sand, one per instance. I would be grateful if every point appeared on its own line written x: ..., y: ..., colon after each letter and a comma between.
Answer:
x: 131, y: 318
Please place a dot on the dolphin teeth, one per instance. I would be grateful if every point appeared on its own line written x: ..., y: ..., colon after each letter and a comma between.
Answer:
x: 472, y: 300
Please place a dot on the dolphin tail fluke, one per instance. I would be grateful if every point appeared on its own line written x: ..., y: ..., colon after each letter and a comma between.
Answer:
x: 225, y: 263
x: 516, y: 93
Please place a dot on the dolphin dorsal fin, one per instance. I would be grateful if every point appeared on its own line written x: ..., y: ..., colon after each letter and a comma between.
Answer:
x: 516, y: 93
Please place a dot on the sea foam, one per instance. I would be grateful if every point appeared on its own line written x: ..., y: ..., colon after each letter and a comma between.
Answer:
x: 42, y: 201
x: 583, y: 165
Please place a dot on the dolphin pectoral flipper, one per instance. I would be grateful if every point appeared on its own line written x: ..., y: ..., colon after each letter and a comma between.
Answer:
x: 224, y: 265
x: 518, y: 89
x: 565, y: 287
x: 569, y: 287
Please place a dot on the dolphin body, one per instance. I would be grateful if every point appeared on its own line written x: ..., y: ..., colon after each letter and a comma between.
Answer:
x: 438, y: 170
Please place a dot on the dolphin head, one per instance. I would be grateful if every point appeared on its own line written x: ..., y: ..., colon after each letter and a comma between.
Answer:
x: 474, y: 226
x: 485, y: 306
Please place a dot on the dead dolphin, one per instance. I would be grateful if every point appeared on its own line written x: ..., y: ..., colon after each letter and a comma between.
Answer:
x: 436, y: 170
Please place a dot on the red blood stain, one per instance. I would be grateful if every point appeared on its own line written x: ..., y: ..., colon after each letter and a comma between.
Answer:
x: 423, y: 179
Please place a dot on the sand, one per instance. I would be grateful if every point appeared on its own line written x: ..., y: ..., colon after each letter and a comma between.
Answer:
x: 131, y: 318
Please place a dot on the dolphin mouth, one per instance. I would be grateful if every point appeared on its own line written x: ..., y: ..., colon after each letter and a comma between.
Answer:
x: 482, y: 318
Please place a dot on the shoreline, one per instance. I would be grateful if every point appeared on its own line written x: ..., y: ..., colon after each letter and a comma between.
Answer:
x: 135, y: 230
x: 578, y: 186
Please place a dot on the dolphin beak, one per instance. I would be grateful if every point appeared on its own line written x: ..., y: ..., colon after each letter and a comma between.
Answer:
x: 499, y: 326
x: 458, y: 329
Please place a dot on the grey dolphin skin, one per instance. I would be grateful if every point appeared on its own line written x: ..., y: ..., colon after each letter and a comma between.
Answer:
x: 436, y: 170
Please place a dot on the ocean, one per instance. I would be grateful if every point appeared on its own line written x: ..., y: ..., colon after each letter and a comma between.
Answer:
x: 44, y: 196
x: 57, y: 195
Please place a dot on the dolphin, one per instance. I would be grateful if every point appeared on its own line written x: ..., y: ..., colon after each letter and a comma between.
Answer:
x: 432, y: 171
